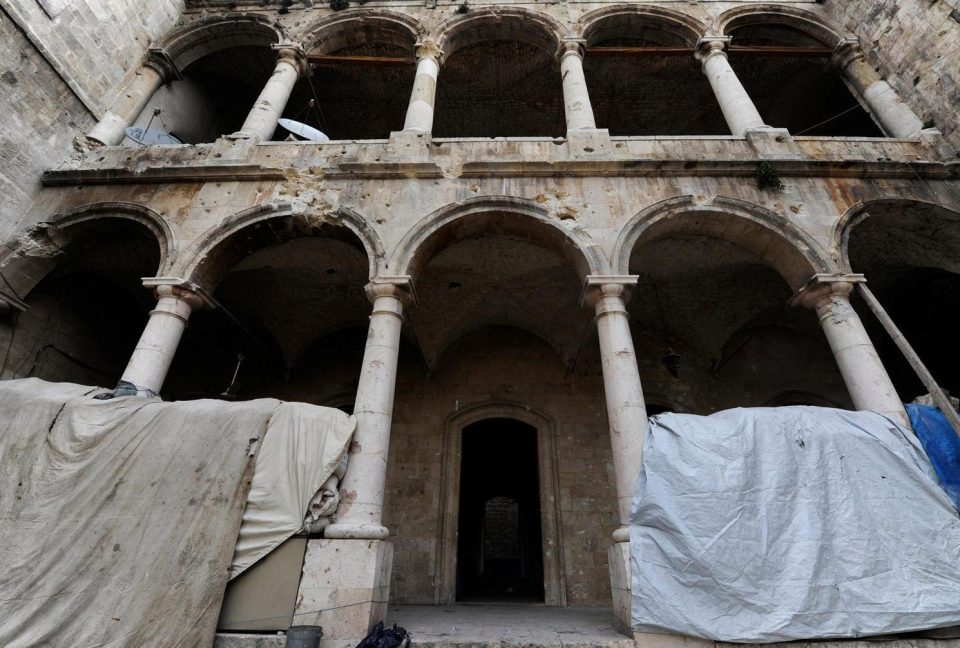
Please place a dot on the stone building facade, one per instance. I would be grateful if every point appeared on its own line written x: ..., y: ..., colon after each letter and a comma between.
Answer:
x: 549, y: 218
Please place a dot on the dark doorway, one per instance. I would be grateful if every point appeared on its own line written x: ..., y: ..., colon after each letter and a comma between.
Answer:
x: 499, y: 547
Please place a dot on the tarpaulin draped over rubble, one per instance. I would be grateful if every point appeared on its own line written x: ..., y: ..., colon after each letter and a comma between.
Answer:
x: 303, y: 446
x: 775, y: 524
x: 118, y: 518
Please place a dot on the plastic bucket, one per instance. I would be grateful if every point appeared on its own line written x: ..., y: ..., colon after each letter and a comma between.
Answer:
x: 304, y: 636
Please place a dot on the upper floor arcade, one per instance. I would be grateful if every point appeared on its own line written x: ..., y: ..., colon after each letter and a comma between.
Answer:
x: 655, y: 81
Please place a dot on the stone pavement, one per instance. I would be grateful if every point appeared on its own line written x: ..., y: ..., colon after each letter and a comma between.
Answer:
x: 457, y: 626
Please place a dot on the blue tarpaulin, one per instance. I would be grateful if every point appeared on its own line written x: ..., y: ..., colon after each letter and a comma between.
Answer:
x: 941, y: 444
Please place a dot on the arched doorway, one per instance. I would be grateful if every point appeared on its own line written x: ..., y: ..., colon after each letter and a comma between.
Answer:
x: 499, y: 543
x: 500, y: 537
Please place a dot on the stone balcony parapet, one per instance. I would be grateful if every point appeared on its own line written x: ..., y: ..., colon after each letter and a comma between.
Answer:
x: 501, y: 157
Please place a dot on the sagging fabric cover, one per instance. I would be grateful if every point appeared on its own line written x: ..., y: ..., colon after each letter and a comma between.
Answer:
x: 118, y: 518
x: 303, y: 447
x: 776, y: 524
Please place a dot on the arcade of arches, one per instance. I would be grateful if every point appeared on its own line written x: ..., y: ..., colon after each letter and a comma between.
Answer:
x: 528, y: 232
x: 499, y: 320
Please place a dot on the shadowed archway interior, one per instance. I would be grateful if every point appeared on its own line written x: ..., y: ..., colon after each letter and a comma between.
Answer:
x: 499, y: 543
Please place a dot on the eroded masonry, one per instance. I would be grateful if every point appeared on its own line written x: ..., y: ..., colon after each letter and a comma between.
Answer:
x: 531, y: 226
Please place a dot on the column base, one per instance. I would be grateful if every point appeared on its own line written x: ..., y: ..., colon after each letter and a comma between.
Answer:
x: 356, y: 532
x: 409, y: 145
x: 589, y: 143
x: 773, y: 144
x: 345, y: 587
x: 937, y: 143
x: 230, y: 148
x: 618, y: 561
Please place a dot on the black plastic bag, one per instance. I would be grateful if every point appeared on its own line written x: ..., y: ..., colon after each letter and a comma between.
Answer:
x: 395, y: 637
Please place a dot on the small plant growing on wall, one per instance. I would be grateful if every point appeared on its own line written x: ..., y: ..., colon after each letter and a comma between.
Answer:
x: 337, y: 5
x: 767, y: 177
x: 463, y: 7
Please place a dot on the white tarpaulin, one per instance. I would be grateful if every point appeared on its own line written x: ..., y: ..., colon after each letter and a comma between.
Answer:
x: 118, y: 518
x: 303, y: 446
x: 775, y: 524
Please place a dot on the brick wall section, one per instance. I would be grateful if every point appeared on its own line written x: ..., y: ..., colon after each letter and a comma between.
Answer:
x: 94, y: 45
x: 915, y: 44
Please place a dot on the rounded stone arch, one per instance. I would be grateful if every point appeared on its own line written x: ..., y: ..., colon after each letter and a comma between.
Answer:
x: 623, y: 20
x: 861, y: 212
x: 31, y: 257
x: 808, y: 22
x: 783, y: 246
x: 192, y: 42
x: 354, y: 27
x: 219, y: 249
x: 508, y: 215
x: 499, y: 23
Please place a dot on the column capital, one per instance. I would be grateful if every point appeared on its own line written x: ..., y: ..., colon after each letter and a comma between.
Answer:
x: 429, y: 49
x: 822, y: 286
x: 159, y: 60
x: 294, y: 54
x: 399, y: 287
x: 709, y: 46
x: 182, y: 289
x: 596, y: 287
x: 576, y: 46
x: 846, y: 51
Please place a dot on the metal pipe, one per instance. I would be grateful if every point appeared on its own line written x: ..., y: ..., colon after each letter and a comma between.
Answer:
x: 939, y: 397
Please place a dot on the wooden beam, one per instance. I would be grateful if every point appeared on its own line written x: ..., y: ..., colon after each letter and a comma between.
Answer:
x: 639, y: 51
x: 765, y: 50
x: 755, y: 50
x: 333, y: 59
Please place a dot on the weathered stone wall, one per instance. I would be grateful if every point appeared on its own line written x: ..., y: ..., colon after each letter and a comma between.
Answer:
x: 915, y: 45
x: 61, y: 65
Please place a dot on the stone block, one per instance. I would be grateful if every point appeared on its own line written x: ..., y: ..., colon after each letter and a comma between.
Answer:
x: 409, y: 145
x: 345, y: 588
x: 773, y: 144
x: 589, y: 143
x: 655, y: 640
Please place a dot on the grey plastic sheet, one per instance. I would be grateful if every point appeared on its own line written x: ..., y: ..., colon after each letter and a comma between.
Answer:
x: 777, y: 524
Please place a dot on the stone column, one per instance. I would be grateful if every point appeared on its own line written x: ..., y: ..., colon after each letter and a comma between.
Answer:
x: 894, y: 116
x: 423, y: 96
x: 627, y: 417
x: 866, y: 378
x: 261, y: 122
x: 737, y: 107
x: 148, y: 366
x: 156, y: 70
x: 576, y: 99
x: 361, y: 493
x: 345, y: 584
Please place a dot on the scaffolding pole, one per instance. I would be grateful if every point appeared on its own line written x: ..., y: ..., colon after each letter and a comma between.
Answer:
x: 939, y: 397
